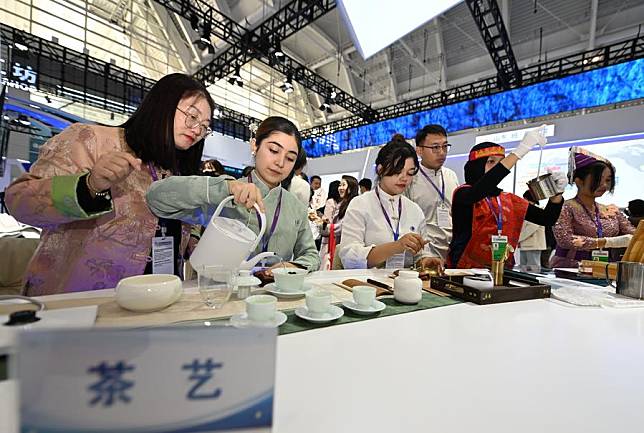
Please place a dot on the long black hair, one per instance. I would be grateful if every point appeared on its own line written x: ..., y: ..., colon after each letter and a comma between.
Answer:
x: 393, y: 155
x: 595, y: 171
x: 150, y: 130
x: 350, y: 194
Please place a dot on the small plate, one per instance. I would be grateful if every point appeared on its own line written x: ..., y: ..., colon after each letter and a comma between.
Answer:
x: 376, y: 307
x: 241, y: 321
x: 334, y: 313
x: 274, y: 290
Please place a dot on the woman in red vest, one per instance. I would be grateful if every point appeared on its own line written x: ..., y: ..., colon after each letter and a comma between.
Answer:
x: 481, y: 210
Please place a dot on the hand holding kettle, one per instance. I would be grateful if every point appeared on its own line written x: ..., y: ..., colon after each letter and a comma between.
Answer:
x: 246, y: 194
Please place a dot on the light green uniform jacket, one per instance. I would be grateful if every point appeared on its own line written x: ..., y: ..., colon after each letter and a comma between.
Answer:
x: 194, y: 199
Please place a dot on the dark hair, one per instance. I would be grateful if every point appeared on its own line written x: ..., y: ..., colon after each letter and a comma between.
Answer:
x: 352, y: 192
x: 212, y: 167
x: 304, y: 176
x: 278, y: 124
x: 595, y: 170
x: 393, y: 155
x: 315, y: 176
x: 366, y: 183
x: 247, y: 170
x: 150, y: 130
x: 300, y: 162
x: 333, y: 191
x: 429, y: 129
x: 636, y: 208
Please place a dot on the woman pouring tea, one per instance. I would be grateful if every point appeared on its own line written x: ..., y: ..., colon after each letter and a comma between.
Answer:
x: 482, y: 213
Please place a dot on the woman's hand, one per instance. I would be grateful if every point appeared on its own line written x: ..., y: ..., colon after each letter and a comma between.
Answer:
x: 110, y: 169
x: 246, y: 194
x: 411, y: 242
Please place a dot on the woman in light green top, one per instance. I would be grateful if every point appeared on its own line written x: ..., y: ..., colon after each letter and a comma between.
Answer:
x: 194, y: 198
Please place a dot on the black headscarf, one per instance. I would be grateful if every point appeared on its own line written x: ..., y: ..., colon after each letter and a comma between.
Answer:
x: 475, y: 168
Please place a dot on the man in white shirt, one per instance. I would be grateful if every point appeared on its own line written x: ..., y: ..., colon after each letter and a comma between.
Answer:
x: 432, y: 188
x: 319, y: 194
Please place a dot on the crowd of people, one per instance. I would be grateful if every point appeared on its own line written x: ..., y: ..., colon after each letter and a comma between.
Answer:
x: 109, y: 198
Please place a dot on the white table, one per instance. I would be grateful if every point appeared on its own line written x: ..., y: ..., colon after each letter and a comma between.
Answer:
x: 532, y: 366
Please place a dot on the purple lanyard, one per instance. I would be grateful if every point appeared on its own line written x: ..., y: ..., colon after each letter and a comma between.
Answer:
x: 276, y: 217
x: 384, y: 212
x: 498, y: 217
x: 153, y: 172
x: 440, y: 192
x: 597, y: 220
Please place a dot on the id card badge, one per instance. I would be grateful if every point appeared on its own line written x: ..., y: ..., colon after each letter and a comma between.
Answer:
x: 444, y: 219
x: 396, y: 261
x: 163, y: 255
x: 600, y: 256
x: 499, y: 245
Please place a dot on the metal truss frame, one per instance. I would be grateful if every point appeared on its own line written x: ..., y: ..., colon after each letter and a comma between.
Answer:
x: 585, y: 61
x: 487, y: 16
x: 81, y: 78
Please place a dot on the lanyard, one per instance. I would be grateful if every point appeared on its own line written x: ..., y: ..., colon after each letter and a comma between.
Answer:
x: 596, y: 220
x: 498, y: 217
x: 384, y: 212
x: 153, y: 172
x: 162, y: 221
x: 440, y: 192
x: 276, y: 217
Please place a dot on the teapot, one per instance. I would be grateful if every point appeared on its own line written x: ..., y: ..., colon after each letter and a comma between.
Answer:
x: 228, y: 242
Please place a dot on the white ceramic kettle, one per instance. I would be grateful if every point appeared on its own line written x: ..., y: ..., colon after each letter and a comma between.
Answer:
x: 228, y: 242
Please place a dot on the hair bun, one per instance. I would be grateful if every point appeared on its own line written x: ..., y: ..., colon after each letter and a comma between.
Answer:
x: 398, y: 138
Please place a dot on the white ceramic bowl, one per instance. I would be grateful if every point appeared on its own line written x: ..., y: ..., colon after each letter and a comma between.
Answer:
x: 146, y: 293
x: 289, y: 279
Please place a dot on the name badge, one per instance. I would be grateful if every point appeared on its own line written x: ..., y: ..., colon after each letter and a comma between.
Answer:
x: 397, y: 261
x: 499, y: 245
x: 163, y: 255
x: 444, y: 218
x: 600, y: 256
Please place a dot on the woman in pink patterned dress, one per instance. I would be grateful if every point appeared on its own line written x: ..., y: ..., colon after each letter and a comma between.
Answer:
x: 87, y: 191
x: 584, y: 225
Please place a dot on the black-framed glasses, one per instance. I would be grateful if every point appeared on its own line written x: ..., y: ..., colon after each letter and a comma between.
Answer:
x: 192, y: 120
x: 438, y: 148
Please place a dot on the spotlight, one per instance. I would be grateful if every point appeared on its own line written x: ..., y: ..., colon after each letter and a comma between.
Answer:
x: 236, y: 78
x: 216, y: 113
x: 48, y: 99
x: 278, y: 51
x: 333, y: 95
x: 20, y: 43
x: 326, y: 106
x: 205, y: 34
x: 287, y: 87
x: 194, y: 22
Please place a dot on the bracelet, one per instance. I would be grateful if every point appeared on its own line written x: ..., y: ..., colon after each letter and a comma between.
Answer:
x: 102, y: 194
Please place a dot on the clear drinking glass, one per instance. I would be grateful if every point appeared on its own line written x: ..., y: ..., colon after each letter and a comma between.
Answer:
x: 216, y: 284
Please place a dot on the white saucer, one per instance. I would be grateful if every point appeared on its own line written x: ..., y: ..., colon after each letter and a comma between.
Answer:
x: 241, y: 321
x: 376, y: 307
x: 280, y: 293
x: 334, y: 313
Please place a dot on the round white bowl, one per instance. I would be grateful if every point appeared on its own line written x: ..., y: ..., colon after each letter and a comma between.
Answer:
x: 146, y: 293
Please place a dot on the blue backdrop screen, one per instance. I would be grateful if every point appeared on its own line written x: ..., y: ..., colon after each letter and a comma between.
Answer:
x: 608, y: 85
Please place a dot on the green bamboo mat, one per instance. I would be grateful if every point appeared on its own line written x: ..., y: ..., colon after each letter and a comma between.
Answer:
x: 429, y: 300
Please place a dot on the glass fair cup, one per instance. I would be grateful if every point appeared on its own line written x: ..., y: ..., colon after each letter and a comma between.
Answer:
x: 216, y: 284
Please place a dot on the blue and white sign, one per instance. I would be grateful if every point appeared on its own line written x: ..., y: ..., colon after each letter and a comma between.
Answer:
x: 153, y: 380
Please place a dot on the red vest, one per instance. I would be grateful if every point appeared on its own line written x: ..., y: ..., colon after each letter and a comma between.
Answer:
x: 478, y: 252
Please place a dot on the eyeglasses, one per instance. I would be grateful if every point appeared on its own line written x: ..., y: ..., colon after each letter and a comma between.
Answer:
x: 438, y: 149
x: 192, y: 120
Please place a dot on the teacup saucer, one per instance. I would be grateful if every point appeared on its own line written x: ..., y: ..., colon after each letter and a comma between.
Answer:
x: 241, y: 321
x: 376, y: 307
x: 280, y: 293
x: 334, y: 313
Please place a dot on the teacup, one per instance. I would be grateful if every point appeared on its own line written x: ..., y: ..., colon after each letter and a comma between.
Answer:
x: 261, y: 308
x: 318, y: 302
x: 289, y: 279
x: 364, y: 296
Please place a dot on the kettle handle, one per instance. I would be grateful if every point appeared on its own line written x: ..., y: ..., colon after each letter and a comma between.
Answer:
x: 261, y: 217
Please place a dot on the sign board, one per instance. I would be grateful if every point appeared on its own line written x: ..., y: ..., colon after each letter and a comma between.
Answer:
x: 19, y: 76
x: 148, y: 380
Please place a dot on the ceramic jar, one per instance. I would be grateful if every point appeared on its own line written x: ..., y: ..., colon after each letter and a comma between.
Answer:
x: 408, y: 287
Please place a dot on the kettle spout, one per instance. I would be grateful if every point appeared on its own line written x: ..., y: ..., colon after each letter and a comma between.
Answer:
x: 248, y: 264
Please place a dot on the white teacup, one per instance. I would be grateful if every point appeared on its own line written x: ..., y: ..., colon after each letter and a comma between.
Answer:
x: 261, y: 308
x: 289, y: 279
x: 364, y: 296
x: 318, y: 302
